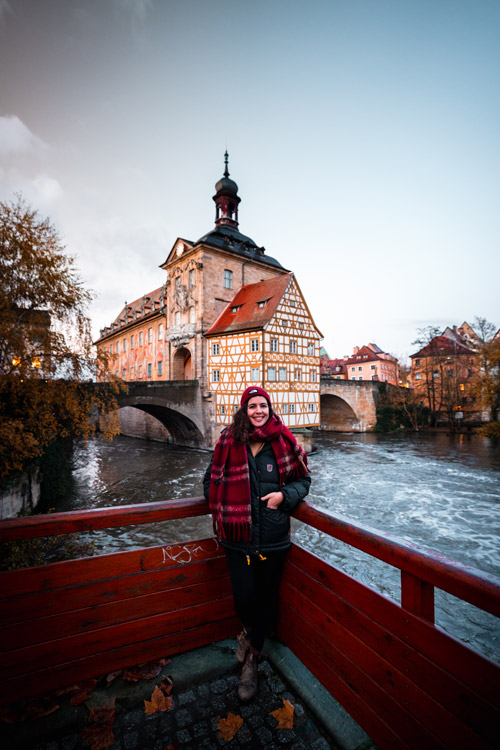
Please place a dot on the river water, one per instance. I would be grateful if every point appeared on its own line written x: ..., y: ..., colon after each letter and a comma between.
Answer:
x: 439, y: 491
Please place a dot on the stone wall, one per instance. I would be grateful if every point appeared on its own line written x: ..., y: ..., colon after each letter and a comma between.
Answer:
x: 138, y: 424
x: 22, y: 494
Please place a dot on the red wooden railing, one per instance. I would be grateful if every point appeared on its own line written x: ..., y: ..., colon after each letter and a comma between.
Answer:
x: 409, y: 684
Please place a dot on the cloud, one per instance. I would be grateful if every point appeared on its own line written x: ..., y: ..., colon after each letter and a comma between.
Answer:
x: 16, y: 138
x: 138, y: 8
x: 5, y: 10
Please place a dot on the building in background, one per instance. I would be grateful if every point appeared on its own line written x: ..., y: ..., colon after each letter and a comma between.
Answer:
x: 371, y: 363
x: 267, y: 337
x: 169, y: 334
x: 445, y: 373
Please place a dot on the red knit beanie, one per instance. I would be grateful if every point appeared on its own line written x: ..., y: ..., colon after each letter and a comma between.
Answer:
x: 254, y: 390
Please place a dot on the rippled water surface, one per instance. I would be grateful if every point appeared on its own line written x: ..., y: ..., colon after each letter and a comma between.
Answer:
x: 438, y: 491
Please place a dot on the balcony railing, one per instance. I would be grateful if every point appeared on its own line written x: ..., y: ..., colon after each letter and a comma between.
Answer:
x: 405, y: 681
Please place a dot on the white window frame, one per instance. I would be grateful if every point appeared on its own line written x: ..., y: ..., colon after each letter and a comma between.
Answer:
x: 271, y: 374
x: 140, y: 338
x: 216, y: 376
x: 191, y: 278
x: 160, y: 331
x: 150, y: 335
x: 255, y: 374
x: 159, y: 368
x: 291, y: 408
x: 150, y: 370
x: 177, y: 318
x: 310, y: 349
x: 274, y: 345
x: 131, y: 340
x: 254, y: 345
x: 293, y: 347
x: 228, y: 279
x: 282, y: 374
x: 215, y: 349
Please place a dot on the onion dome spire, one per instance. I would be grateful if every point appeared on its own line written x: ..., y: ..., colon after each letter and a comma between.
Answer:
x: 226, y: 199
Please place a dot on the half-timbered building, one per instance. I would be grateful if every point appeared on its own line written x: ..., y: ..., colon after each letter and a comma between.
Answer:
x: 266, y: 336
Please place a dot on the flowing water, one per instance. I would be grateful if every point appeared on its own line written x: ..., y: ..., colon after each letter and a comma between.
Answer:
x: 440, y: 492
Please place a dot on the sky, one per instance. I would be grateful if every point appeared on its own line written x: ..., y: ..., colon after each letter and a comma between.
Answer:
x: 363, y: 135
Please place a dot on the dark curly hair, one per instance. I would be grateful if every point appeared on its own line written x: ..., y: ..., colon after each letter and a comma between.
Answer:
x: 241, y: 427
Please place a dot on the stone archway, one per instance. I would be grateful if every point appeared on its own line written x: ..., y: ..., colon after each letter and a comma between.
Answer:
x: 182, y: 367
x: 337, y: 415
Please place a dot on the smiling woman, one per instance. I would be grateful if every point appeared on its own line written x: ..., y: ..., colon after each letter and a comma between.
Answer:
x: 257, y: 476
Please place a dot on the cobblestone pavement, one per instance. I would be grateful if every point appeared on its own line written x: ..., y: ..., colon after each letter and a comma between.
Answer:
x: 192, y: 722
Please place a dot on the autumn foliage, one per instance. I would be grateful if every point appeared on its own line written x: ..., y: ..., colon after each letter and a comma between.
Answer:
x: 47, y: 361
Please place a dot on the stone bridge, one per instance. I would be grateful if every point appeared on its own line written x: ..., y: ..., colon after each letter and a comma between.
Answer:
x: 179, y: 406
x: 348, y: 405
x: 183, y: 413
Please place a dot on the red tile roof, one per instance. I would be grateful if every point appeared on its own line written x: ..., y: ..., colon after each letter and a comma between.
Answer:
x: 364, y: 354
x: 442, y: 345
x: 248, y: 314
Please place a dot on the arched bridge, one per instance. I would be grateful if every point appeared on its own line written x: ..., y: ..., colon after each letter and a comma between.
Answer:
x: 348, y: 405
x: 186, y: 413
x: 177, y: 404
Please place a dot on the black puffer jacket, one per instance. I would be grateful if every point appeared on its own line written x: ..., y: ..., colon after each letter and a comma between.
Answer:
x: 270, y: 528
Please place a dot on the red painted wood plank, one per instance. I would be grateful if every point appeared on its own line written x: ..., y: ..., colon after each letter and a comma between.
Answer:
x: 337, y: 679
x: 100, y: 518
x: 417, y: 596
x: 402, y: 695
x: 102, y: 567
x: 467, y: 665
x: 463, y: 581
x: 22, y: 634
x: 454, y: 695
x: 30, y: 606
x: 44, y: 681
x: 50, y: 653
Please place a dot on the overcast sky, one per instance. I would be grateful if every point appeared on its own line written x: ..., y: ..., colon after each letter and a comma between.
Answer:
x: 363, y: 135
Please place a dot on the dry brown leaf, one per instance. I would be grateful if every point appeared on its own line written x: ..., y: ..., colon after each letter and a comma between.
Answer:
x: 81, y: 692
x: 152, y: 669
x: 228, y: 727
x: 99, y: 735
x: 159, y: 702
x: 284, y: 715
x: 166, y: 685
x: 111, y: 677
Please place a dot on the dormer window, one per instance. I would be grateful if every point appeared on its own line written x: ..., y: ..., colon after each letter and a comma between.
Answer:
x: 236, y: 308
x: 262, y: 303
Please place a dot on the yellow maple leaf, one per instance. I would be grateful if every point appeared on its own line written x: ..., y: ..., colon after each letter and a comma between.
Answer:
x: 159, y: 702
x: 228, y: 727
x: 284, y: 715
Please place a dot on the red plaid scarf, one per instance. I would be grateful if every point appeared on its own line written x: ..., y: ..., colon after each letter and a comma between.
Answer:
x: 230, y: 499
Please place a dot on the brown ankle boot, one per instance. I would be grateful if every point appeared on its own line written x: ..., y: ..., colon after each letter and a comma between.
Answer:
x: 243, y: 646
x: 248, y: 682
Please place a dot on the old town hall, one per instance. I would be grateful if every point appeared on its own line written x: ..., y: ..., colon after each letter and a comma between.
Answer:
x: 228, y: 315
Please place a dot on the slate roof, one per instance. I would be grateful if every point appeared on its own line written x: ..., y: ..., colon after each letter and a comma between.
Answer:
x: 228, y: 238
x: 137, y: 305
x: 248, y: 315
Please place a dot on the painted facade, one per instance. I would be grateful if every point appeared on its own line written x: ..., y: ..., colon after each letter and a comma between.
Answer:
x: 266, y: 336
x: 371, y: 363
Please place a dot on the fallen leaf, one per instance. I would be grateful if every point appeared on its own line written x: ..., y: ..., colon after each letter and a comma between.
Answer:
x: 228, y: 727
x: 81, y: 692
x: 159, y: 702
x: 111, y: 677
x: 166, y: 685
x: 153, y: 668
x: 284, y: 715
x: 99, y: 735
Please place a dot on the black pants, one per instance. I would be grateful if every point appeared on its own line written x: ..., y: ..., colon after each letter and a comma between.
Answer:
x: 255, y: 591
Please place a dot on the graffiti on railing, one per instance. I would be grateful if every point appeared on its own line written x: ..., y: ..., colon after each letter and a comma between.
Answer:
x: 186, y: 553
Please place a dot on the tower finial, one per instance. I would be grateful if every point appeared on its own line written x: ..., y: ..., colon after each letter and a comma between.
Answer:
x: 226, y: 162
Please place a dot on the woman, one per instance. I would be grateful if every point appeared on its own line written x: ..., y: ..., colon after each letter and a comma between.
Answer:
x: 257, y: 476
